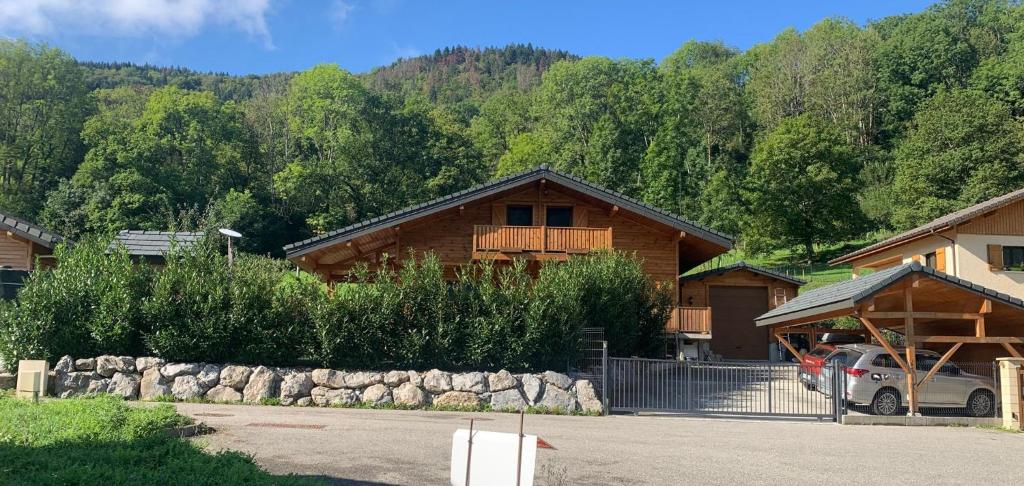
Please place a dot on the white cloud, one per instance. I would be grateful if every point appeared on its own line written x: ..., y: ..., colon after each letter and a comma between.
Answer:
x: 340, y: 11
x: 133, y: 18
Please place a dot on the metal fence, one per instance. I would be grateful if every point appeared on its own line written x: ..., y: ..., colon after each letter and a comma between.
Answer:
x: 957, y: 389
x: 718, y: 388
x: 591, y: 364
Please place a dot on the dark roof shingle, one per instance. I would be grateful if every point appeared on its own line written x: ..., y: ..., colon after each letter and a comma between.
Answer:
x: 154, y: 243
x: 850, y: 292
x: 455, y: 199
x: 29, y: 231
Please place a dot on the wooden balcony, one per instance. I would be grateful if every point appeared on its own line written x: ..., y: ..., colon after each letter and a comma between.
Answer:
x: 491, y: 240
x: 691, y: 320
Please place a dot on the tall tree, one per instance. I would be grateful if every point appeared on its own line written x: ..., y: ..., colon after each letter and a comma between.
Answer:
x: 43, y: 104
x: 802, y: 187
x: 704, y: 128
x: 963, y: 147
x: 596, y: 118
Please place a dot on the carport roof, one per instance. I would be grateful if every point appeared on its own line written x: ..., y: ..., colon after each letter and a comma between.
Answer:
x: 847, y: 294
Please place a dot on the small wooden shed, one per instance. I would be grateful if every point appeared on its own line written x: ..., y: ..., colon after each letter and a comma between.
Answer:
x: 22, y: 244
x: 730, y: 298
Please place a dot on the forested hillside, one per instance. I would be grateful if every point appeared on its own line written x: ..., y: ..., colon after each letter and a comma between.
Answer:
x: 813, y: 138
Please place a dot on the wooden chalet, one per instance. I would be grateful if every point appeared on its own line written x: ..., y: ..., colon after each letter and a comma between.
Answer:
x: 537, y: 215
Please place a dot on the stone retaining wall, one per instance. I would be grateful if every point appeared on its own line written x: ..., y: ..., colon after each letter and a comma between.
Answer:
x: 153, y: 378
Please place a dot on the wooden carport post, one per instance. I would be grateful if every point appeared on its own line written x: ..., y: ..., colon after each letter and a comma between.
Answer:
x: 911, y: 347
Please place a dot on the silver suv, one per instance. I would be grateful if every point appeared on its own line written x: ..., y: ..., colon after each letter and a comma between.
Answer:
x: 873, y: 378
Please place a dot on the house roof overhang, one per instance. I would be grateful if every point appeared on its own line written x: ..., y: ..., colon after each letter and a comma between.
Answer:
x: 29, y: 231
x: 296, y: 251
x: 938, y: 225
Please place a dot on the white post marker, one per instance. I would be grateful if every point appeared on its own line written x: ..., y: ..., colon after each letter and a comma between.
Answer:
x: 231, y: 234
x: 495, y: 455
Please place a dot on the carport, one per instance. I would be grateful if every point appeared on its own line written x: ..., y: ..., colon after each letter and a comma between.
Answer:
x: 928, y: 308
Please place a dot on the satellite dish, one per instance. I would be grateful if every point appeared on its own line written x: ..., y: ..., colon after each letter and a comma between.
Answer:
x: 230, y: 233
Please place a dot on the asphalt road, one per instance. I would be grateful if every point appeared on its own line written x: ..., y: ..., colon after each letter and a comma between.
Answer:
x: 349, y: 446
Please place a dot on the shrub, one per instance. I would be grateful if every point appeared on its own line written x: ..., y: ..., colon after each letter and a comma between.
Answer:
x: 88, y: 305
x: 197, y: 308
x: 255, y: 312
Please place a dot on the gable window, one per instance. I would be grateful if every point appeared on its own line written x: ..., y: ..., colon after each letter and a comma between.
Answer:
x: 519, y: 215
x: 1013, y: 258
x: 559, y: 217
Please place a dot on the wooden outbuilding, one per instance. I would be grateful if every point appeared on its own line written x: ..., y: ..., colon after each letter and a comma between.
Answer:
x: 23, y: 245
x: 724, y: 302
x: 928, y: 308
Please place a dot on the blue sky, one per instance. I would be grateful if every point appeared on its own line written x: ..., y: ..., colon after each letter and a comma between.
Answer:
x: 261, y: 36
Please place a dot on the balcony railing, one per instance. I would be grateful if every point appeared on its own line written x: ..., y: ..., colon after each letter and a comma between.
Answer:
x: 493, y: 238
x: 696, y: 320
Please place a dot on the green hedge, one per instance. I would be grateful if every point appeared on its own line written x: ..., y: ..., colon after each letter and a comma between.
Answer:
x: 196, y: 308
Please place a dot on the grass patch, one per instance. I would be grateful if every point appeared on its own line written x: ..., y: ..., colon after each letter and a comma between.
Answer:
x: 1001, y: 428
x: 102, y: 440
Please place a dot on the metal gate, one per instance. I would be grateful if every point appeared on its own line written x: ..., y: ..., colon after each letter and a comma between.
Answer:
x: 719, y: 388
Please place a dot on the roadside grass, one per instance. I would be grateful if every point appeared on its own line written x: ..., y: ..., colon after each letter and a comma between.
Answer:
x: 102, y: 440
x: 1001, y: 428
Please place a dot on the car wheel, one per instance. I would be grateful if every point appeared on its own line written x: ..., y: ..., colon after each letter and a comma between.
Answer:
x: 981, y: 403
x: 886, y: 402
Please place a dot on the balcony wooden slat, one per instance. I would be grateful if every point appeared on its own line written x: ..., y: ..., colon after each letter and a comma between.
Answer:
x: 695, y: 320
x: 540, y: 239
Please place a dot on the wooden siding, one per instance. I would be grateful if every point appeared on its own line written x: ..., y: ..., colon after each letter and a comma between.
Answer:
x: 450, y: 234
x: 1008, y: 220
x: 15, y: 252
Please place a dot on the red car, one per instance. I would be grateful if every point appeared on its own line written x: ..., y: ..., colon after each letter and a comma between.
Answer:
x: 810, y: 366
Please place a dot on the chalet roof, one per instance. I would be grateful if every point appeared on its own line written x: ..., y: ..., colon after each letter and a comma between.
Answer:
x: 29, y: 231
x: 848, y: 293
x: 936, y: 225
x: 543, y: 172
x: 741, y: 265
x: 154, y: 243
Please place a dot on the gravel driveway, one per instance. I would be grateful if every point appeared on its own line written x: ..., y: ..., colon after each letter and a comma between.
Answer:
x: 351, y: 446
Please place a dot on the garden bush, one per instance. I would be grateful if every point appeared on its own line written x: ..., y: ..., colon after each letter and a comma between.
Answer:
x: 86, y: 306
x: 197, y: 308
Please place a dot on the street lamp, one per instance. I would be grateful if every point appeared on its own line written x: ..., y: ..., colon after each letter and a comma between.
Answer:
x: 231, y: 234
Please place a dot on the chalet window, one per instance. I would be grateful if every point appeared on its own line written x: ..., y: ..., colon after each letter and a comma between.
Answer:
x: 930, y: 260
x: 560, y: 217
x: 1013, y: 258
x: 519, y: 216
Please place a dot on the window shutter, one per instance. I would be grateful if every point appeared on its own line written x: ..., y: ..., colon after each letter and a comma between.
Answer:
x: 918, y: 259
x: 995, y: 257
x: 498, y: 214
x: 940, y: 259
x: 579, y: 217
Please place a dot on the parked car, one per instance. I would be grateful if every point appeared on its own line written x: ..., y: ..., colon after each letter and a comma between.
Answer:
x: 874, y: 379
x: 810, y: 366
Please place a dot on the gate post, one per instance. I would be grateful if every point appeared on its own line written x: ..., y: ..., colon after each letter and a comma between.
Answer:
x: 1010, y: 391
x: 604, y: 375
x: 770, y: 388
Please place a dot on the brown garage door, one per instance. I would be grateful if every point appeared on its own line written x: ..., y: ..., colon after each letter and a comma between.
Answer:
x: 733, y: 334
